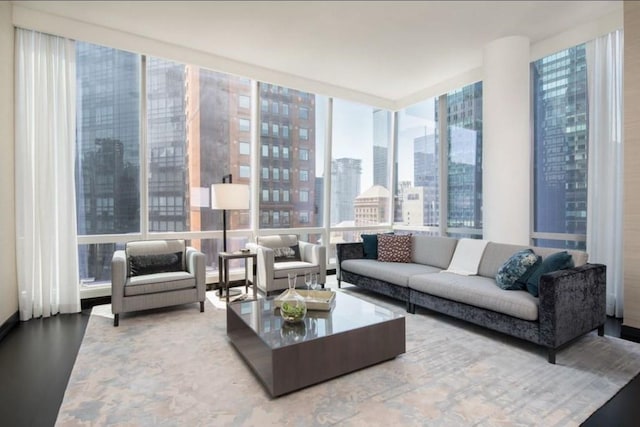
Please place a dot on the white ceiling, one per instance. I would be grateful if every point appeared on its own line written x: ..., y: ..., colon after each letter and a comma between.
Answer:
x: 388, y: 49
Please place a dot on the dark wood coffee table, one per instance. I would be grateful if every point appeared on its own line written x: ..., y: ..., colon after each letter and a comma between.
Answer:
x: 353, y: 335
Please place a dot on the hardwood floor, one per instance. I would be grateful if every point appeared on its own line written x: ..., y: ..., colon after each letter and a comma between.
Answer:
x: 36, y: 359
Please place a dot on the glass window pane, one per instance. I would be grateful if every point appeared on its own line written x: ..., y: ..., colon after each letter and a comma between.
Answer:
x: 107, y: 140
x: 355, y: 198
x: 560, y: 107
x: 94, y: 262
x: 285, y: 171
x: 417, y: 193
x: 187, y: 156
x: 464, y: 119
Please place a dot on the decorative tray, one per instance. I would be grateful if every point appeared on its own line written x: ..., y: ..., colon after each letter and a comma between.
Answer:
x: 321, y: 300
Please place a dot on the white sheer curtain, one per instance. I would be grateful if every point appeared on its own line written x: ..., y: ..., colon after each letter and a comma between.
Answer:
x: 605, y: 170
x: 47, y: 253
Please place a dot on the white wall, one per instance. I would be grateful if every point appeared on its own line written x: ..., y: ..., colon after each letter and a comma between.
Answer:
x: 506, y: 141
x: 631, y: 132
x: 8, y: 278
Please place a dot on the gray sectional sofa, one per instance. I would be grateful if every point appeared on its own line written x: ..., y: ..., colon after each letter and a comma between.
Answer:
x: 571, y: 302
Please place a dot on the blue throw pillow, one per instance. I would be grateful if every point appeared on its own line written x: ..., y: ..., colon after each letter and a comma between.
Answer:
x: 557, y: 261
x: 514, y: 268
x: 370, y: 245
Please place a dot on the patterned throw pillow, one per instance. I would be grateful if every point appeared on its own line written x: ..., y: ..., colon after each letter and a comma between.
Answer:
x: 394, y: 247
x: 514, y: 268
x: 286, y: 253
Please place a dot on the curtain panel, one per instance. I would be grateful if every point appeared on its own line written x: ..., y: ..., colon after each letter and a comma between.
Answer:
x: 46, y: 234
x: 605, y: 167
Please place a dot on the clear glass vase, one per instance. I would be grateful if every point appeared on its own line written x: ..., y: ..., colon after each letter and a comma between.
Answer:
x: 293, y: 308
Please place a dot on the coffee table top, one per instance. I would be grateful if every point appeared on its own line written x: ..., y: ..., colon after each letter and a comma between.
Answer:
x: 349, y: 313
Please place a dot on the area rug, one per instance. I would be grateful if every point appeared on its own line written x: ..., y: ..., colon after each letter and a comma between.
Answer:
x: 175, y: 367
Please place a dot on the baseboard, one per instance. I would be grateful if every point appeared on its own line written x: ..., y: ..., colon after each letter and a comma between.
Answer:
x: 9, y: 324
x: 629, y: 333
x: 87, y: 303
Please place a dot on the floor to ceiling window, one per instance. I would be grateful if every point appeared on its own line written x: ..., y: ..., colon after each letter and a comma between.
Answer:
x: 291, y: 158
x: 417, y: 195
x: 464, y: 168
x: 360, y: 178
x: 108, y: 153
x: 439, y: 186
x: 560, y: 108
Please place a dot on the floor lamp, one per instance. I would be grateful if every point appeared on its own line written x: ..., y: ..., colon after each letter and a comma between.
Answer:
x: 228, y: 196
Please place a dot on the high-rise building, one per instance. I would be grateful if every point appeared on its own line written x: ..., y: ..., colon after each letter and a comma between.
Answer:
x: 108, y: 144
x: 561, y: 134
x: 166, y: 141
x: 413, y: 206
x: 381, y: 133
x: 464, y: 118
x: 345, y: 187
x: 371, y: 207
x: 287, y: 158
x: 426, y: 171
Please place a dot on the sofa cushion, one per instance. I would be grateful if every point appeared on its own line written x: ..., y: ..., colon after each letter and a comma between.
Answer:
x: 159, y: 282
x: 392, y: 272
x: 394, y: 248
x: 520, y: 264
x: 557, y: 261
x: 435, y: 251
x: 477, y: 291
x: 370, y: 245
x: 495, y: 254
x: 579, y: 257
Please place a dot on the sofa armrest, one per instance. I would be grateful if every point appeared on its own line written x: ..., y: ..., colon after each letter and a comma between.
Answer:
x: 572, y: 302
x: 118, y: 280
x: 196, y: 265
x: 317, y: 255
x: 345, y: 251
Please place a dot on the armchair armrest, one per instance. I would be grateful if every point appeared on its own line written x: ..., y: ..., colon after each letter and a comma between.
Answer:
x: 196, y: 265
x: 118, y: 280
x: 264, y: 262
x: 572, y: 302
x: 315, y: 254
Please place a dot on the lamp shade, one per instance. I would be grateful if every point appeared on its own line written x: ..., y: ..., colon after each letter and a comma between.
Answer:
x: 229, y: 196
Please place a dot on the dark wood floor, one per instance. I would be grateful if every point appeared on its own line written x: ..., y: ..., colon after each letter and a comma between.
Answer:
x: 36, y: 359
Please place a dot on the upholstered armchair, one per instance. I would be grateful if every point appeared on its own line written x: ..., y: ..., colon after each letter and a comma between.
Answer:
x: 156, y: 273
x: 279, y: 255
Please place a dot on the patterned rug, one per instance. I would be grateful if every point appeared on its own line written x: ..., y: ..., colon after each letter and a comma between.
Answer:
x: 175, y: 367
